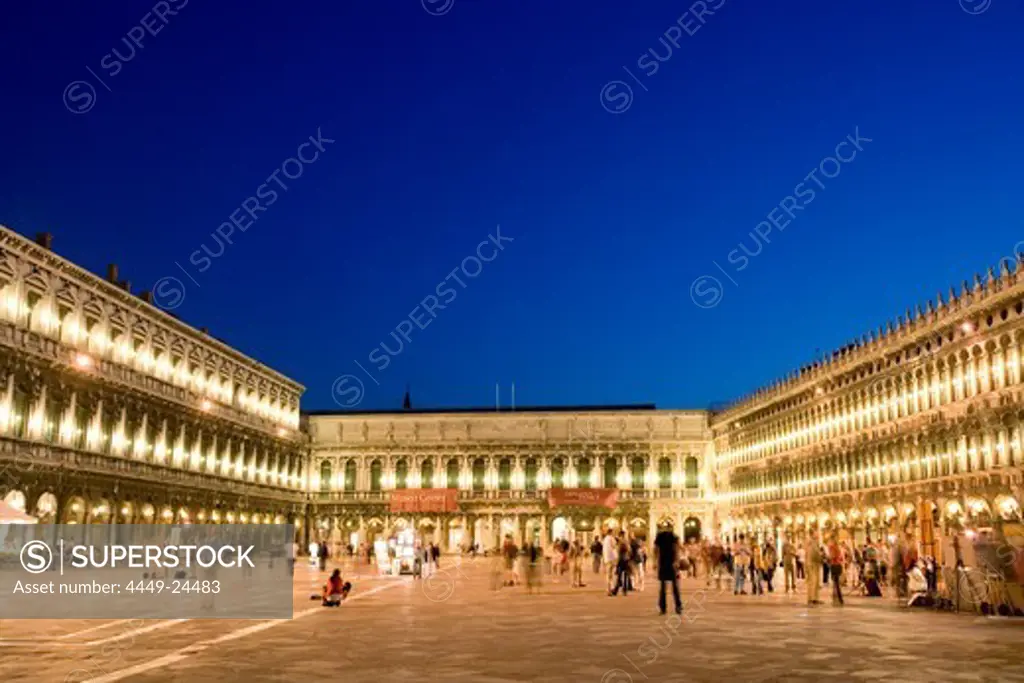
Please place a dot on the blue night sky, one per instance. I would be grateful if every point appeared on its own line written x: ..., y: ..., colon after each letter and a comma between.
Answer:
x: 493, y: 113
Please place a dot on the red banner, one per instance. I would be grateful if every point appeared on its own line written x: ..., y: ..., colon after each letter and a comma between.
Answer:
x: 424, y: 500
x: 606, y: 498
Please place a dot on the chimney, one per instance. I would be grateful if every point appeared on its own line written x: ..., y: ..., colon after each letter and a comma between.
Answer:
x: 204, y: 330
x: 112, y: 273
x: 146, y: 296
x: 126, y: 285
x: 45, y: 240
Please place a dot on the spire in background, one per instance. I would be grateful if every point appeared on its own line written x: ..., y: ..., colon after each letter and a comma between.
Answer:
x: 407, y: 401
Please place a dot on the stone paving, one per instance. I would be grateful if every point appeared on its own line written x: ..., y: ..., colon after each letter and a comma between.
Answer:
x: 453, y: 627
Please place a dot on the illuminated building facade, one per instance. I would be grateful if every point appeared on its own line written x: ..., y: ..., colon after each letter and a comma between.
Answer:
x: 112, y: 411
x: 916, y: 428
x: 503, y: 465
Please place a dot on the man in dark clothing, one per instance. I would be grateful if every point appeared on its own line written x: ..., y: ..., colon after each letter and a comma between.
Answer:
x: 595, y: 550
x: 322, y: 555
x: 666, y: 550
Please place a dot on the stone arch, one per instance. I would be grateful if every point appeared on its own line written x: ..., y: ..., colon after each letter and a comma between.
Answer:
x: 16, y: 499
x: 101, y: 511
x: 1008, y: 507
x: 46, y: 508
x: 74, y: 511
x: 691, y: 529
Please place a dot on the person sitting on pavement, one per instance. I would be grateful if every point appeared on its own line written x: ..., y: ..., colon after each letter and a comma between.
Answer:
x: 335, y: 590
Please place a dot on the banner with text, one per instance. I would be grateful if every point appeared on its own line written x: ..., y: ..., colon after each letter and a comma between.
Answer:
x: 606, y: 498
x: 146, y: 571
x: 424, y: 500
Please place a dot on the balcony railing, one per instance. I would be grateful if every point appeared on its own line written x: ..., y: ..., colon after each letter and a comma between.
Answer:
x: 39, y: 456
x: 499, y: 495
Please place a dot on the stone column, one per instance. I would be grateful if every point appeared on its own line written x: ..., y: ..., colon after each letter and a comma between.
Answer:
x: 545, y: 522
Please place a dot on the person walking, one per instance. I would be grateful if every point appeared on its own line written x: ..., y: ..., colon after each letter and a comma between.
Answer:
x: 666, y: 555
x: 576, y: 553
x: 715, y: 565
x: 639, y: 565
x: 801, y: 557
x: 825, y: 569
x: 756, y: 567
x: 322, y: 555
x: 534, y: 554
x: 835, y: 561
x: 740, y: 565
x: 814, y: 563
x: 610, y: 555
x: 789, y: 565
x: 622, y: 579
x: 595, y: 551
x: 511, y: 552
x: 771, y: 562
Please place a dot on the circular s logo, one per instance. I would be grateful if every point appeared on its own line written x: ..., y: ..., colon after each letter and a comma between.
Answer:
x: 616, y: 97
x: 348, y: 391
x: 79, y: 97
x: 36, y: 557
x: 706, y: 291
x: 438, y: 8
x: 616, y: 676
x: 975, y: 6
x: 439, y: 586
x: 168, y: 293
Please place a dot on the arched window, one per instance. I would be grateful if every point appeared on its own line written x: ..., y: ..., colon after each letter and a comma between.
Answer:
x: 557, y: 473
x: 427, y: 474
x: 691, y: 473
x: 350, y: 475
x: 611, y: 473
x: 20, y: 407
x: 664, y: 473
x: 583, y: 473
x: 478, y: 474
x: 639, y: 473
x: 453, y: 474
x: 401, y: 474
x: 325, y: 475
x: 504, y: 474
x: 531, y: 474
x: 375, y: 475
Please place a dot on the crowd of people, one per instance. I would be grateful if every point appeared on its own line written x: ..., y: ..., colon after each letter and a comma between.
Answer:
x: 620, y: 559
